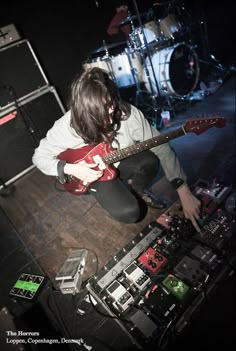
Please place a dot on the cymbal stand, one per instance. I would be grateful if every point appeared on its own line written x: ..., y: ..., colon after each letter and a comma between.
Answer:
x: 131, y: 22
x: 208, y: 58
x: 107, y: 58
x: 133, y: 69
x: 156, y: 107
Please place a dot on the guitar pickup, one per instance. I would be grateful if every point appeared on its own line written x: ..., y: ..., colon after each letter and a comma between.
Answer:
x: 101, y: 165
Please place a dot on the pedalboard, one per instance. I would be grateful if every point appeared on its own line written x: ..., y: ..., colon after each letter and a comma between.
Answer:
x: 165, y: 273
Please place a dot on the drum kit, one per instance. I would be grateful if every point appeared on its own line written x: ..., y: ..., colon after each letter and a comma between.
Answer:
x: 156, y: 56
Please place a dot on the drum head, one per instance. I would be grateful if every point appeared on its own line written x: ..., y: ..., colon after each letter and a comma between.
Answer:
x: 175, y: 71
x: 183, y: 69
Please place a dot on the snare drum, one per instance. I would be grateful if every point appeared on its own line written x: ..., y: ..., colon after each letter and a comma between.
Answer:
x: 103, y: 63
x: 127, y: 68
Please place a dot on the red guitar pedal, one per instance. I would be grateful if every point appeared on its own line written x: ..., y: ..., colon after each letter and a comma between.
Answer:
x: 152, y: 260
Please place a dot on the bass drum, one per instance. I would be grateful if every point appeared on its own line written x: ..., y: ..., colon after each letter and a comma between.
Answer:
x: 176, y: 70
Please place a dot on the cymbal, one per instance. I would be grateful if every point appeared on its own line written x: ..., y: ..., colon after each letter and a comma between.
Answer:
x: 108, y: 47
x: 161, y: 3
x: 131, y: 18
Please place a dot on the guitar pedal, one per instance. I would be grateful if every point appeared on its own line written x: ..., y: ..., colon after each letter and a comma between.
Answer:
x: 152, y: 260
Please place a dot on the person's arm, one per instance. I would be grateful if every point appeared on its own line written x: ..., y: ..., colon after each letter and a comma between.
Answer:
x: 190, y: 204
x: 59, y: 138
x: 113, y: 27
x: 174, y: 172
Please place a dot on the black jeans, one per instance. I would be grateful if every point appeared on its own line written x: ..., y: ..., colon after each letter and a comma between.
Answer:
x: 116, y: 197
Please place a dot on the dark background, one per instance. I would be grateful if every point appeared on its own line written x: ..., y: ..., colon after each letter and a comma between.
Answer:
x: 63, y: 34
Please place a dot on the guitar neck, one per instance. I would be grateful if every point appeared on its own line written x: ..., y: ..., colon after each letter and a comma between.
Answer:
x: 121, y: 154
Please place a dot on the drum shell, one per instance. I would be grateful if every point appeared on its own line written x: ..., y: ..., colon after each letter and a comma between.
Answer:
x: 137, y: 37
x: 126, y: 69
x: 169, y: 26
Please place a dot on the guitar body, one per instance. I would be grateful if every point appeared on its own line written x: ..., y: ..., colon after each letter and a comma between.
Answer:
x: 87, y: 154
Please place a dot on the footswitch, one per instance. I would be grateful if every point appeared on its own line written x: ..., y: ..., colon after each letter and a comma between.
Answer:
x: 121, y: 297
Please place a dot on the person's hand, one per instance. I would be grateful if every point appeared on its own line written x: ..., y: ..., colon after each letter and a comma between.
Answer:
x: 191, y: 205
x: 83, y: 171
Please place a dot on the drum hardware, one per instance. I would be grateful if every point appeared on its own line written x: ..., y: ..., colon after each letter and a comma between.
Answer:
x: 154, y: 88
x: 135, y: 70
x: 105, y: 47
x: 131, y: 18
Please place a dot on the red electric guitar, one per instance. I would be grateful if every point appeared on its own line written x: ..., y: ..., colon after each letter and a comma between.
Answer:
x: 105, y: 156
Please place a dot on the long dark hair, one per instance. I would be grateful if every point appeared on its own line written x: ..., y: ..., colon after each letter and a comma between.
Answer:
x: 92, y: 95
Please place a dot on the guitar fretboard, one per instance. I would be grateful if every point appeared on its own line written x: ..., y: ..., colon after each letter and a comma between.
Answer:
x: 121, y: 154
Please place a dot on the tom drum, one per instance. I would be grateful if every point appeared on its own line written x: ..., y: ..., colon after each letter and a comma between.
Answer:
x: 170, y: 27
x: 127, y: 69
x: 149, y: 30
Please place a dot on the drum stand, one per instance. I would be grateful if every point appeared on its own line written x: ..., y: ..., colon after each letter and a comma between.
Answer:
x: 209, y: 59
x: 157, y: 100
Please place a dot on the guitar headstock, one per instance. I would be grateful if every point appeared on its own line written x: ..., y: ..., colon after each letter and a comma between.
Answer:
x: 200, y: 125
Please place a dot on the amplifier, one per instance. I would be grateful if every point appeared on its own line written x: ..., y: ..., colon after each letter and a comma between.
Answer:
x: 20, y: 72
x: 21, y: 127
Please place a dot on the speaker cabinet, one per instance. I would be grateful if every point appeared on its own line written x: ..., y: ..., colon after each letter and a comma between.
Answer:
x: 21, y: 129
x: 21, y: 75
